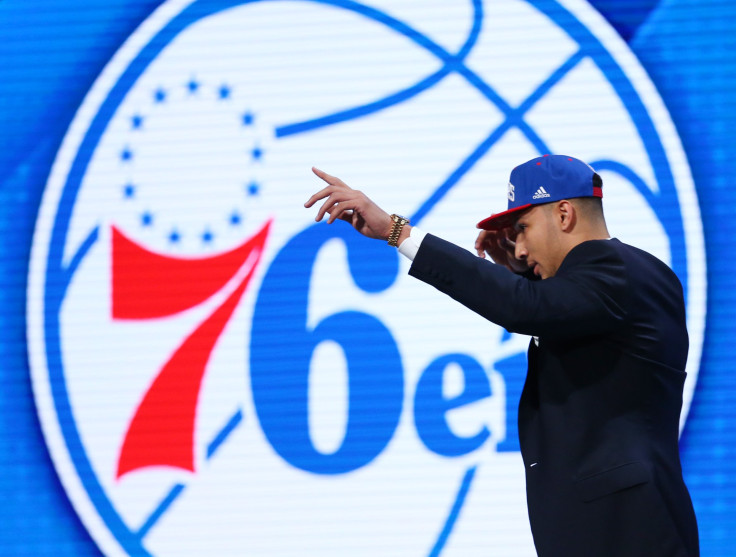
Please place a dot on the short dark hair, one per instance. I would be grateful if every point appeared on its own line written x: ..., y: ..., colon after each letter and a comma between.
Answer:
x: 592, y: 207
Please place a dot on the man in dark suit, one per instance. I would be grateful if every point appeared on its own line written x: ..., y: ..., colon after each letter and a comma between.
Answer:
x: 599, y: 413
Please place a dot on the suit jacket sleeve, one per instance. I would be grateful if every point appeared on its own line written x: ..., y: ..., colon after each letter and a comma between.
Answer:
x: 587, y: 295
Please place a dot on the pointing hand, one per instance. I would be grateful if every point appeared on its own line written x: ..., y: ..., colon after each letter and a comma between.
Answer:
x: 353, y: 206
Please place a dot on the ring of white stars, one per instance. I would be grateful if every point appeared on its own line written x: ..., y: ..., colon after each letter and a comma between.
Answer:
x: 190, y: 162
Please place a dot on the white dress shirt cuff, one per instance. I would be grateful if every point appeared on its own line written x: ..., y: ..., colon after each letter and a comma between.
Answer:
x: 410, y: 246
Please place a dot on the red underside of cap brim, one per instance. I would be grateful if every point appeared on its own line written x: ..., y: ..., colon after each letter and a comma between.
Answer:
x: 502, y: 220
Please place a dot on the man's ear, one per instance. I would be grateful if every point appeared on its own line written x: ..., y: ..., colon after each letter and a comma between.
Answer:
x: 566, y: 215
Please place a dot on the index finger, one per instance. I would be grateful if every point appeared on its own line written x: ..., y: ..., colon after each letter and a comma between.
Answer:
x: 329, y: 178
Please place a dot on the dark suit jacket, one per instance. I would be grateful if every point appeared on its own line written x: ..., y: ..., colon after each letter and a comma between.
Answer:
x: 599, y: 413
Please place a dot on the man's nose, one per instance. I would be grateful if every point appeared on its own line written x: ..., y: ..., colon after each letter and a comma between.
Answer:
x: 520, y: 250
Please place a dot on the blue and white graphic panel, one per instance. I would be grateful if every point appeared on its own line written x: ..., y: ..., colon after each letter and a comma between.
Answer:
x: 217, y: 373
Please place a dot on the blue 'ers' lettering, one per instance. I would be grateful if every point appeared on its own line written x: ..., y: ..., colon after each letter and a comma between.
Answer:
x: 431, y: 406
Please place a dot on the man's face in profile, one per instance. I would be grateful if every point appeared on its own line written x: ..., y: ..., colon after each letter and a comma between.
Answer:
x: 537, y: 240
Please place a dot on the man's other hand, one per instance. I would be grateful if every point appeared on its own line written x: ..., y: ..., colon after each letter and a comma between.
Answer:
x: 500, y: 245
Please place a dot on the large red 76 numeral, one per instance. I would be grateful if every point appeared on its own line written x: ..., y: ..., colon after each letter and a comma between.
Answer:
x: 147, y: 285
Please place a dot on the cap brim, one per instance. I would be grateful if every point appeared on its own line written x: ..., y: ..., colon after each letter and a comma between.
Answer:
x: 502, y: 220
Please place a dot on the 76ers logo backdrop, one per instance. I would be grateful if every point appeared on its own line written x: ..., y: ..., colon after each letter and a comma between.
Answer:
x: 215, y: 372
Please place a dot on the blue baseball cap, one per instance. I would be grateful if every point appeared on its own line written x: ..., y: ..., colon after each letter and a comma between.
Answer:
x: 543, y: 180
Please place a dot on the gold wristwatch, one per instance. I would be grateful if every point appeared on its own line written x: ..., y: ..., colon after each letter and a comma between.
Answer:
x: 398, y: 223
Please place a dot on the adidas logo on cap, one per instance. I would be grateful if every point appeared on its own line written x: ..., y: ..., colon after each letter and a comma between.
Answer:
x: 540, y: 193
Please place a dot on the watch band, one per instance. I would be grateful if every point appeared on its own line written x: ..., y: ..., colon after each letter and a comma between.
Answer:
x: 396, y: 226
